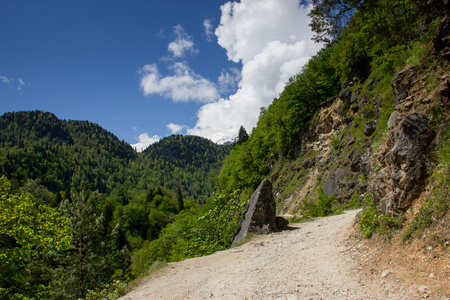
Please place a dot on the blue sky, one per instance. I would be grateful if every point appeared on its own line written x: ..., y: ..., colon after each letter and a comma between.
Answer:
x: 146, y: 69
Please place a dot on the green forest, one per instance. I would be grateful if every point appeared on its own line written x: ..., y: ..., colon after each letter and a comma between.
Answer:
x: 82, y: 214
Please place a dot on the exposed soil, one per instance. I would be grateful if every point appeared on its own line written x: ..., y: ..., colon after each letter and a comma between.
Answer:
x: 316, y: 260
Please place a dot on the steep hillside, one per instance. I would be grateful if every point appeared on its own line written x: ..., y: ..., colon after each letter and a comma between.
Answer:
x: 362, y: 123
x: 365, y: 140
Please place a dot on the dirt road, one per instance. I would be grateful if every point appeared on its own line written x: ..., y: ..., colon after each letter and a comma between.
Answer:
x: 307, y: 262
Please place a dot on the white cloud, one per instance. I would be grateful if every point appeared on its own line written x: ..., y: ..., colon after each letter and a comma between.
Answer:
x: 272, y: 39
x: 175, y: 128
x: 14, y: 83
x: 208, y: 27
x: 144, y: 141
x: 5, y: 79
x: 228, y: 79
x: 20, y: 83
x: 183, y: 86
x: 183, y: 43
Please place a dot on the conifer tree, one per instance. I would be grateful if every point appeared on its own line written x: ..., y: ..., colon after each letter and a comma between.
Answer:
x: 180, y: 199
x: 86, y: 265
x: 242, y: 136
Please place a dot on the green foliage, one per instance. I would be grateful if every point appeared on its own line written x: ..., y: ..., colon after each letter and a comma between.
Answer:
x: 369, y: 218
x: 195, y: 232
x: 335, y: 143
x: 377, y: 35
x: 279, y: 127
x: 27, y: 233
x: 328, y: 17
x: 354, y: 202
x: 325, y: 206
x: 371, y: 221
x: 217, y: 225
x: 88, y: 262
x: 242, y: 135
x: 37, y: 145
x: 111, y: 291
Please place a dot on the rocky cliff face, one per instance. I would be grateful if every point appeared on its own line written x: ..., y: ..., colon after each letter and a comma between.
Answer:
x: 368, y: 140
x: 404, y: 161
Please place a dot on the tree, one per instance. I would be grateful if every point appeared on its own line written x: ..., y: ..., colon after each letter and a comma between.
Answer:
x: 27, y: 232
x: 180, y: 199
x: 86, y: 265
x: 242, y: 136
x: 328, y: 17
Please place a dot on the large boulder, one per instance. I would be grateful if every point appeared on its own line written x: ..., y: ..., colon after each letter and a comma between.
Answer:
x: 259, y: 216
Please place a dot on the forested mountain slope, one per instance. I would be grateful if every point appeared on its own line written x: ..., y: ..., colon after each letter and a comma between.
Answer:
x: 37, y: 145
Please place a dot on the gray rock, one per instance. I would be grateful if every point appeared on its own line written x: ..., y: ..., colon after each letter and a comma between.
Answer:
x: 345, y: 95
x: 354, y: 166
x: 330, y: 187
x: 309, y: 163
x: 392, y: 118
x: 351, y: 141
x: 369, y: 128
x: 259, y: 215
x: 404, y: 165
x: 355, y: 95
x: 401, y: 83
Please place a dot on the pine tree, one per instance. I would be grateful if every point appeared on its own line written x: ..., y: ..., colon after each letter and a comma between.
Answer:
x: 180, y: 199
x: 87, y: 263
x: 242, y: 136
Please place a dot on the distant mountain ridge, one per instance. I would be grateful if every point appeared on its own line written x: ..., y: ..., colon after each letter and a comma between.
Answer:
x: 38, y: 145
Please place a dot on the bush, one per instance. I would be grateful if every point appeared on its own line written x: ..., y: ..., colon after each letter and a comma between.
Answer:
x: 325, y: 206
x: 369, y: 218
x: 371, y: 221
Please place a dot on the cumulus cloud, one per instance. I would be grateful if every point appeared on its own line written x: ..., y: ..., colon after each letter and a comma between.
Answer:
x: 144, y: 141
x: 183, y: 86
x: 182, y: 44
x: 208, y: 27
x: 175, y: 128
x: 228, y: 79
x: 272, y: 39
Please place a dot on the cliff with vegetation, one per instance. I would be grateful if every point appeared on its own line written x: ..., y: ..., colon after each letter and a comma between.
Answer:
x: 365, y: 123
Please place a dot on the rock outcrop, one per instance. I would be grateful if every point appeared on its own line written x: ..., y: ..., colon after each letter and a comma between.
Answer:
x: 366, y: 141
x: 259, y: 216
x: 402, y: 165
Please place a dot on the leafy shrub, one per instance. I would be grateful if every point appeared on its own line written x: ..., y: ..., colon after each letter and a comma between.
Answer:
x: 354, y: 202
x: 369, y: 218
x: 371, y: 221
x: 335, y: 143
x: 111, y: 291
x: 325, y: 206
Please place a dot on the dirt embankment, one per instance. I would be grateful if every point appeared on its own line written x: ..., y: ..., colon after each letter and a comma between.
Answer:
x: 313, y: 260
